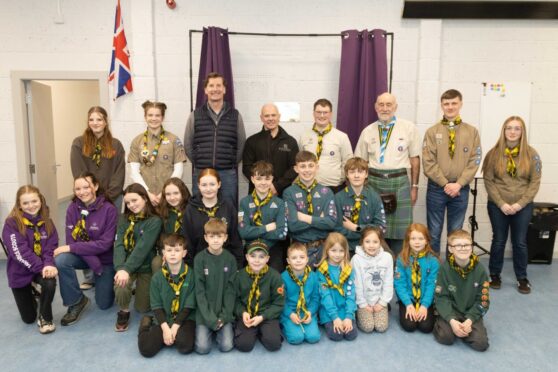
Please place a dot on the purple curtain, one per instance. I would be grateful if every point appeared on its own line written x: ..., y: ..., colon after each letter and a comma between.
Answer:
x: 363, y: 76
x: 215, y: 57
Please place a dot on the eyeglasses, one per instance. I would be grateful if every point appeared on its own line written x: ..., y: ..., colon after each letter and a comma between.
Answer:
x: 462, y: 247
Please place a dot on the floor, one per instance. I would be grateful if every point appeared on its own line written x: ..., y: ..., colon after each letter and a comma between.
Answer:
x: 518, y: 327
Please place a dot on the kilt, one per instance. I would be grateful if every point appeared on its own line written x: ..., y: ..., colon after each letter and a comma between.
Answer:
x: 397, y: 222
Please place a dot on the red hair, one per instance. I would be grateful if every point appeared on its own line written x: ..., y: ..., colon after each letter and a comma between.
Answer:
x: 406, y: 251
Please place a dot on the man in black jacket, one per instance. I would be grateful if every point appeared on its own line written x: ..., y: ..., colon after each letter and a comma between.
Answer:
x: 274, y: 145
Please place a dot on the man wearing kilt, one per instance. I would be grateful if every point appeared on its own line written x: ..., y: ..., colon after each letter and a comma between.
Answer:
x: 391, y: 146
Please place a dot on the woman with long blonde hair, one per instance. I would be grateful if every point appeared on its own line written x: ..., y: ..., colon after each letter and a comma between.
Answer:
x: 512, y: 176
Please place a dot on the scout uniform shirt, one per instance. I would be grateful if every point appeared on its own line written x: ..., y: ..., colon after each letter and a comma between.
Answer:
x: 439, y: 167
x: 371, y: 212
x: 272, y: 297
x: 214, y: 291
x: 324, y: 216
x: 403, y: 143
x: 456, y: 296
x: 161, y: 294
x: 273, y: 211
x: 170, y: 152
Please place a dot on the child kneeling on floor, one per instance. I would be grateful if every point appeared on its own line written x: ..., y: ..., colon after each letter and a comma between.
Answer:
x: 461, y: 295
x: 173, y: 300
x: 259, y: 301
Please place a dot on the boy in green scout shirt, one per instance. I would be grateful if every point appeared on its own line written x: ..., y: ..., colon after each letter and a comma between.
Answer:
x: 358, y: 205
x: 262, y: 215
x: 173, y: 302
x: 462, y: 296
x: 213, y: 269
x: 311, y: 212
x: 259, y: 301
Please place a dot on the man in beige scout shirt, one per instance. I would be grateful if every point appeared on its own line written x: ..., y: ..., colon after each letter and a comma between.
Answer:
x: 331, y: 146
x: 391, y: 146
x: 451, y: 155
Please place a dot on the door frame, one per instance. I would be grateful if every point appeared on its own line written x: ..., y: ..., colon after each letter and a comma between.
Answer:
x: 18, y: 79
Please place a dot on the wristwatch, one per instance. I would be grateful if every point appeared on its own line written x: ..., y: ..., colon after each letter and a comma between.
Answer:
x: 358, y: 228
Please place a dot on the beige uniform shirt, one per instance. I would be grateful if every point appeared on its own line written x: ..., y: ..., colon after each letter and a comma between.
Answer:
x: 520, y: 189
x: 171, y: 151
x: 336, y: 150
x: 404, y: 143
x: 436, y: 161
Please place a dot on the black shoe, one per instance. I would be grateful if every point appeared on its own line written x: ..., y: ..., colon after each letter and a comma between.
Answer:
x: 122, y: 321
x: 495, y: 281
x: 75, y: 311
x: 145, y: 323
x: 523, y: 286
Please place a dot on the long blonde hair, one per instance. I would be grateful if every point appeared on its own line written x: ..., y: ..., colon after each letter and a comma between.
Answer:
x: 17, y: 213
x: 332, y: 239
x: 90, y: 141
x: 495, y: 158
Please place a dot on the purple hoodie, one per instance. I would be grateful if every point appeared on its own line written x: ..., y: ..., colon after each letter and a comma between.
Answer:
x: 23, y: 263
x: 100, y: 223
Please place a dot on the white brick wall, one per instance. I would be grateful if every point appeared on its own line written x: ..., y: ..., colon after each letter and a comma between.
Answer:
x: 430, y: 56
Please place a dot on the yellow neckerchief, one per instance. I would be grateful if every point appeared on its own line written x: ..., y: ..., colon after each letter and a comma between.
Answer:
x: 253, y: 305
x: 257, y: 219
x: 301, y: 303
x: 345, y: 274
x: 96, y: 156
x: 178, y: 222
x: 175, y: 285
x: 510, y: 166
x: 36, y: 234
x: 321, y: 138
x: 149, y: 160
x: 416, y: 277
x: 308, y: 190
x: 451, y: 130
x: 210, y: 212
x: 80, y: 232
x: 129, y: 241
x: 355, y: 212
x: 463, y: 271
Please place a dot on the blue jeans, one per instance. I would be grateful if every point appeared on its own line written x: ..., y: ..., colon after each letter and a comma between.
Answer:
x: 501, y: 224
x: 229, y: 184
x: 67, y: 264
x: 225, y: 338
x: 436, y: 203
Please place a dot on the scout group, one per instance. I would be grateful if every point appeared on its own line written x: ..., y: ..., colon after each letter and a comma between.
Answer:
x: 324, y: 236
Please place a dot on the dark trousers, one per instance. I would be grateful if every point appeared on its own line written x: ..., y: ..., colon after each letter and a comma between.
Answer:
x: 150, y: 341
x: 277, y: 256
x: 26, y: 303
x: 408, y: 325
x: 477, y: 339
x: 267, y: 331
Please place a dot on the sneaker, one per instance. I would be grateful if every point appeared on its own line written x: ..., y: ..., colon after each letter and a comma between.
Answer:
x: 523, y: 286
x: 86, y: 286
x: 495, y: 281
x: 74, y: 312
x: 122, y: 321
x: 45, y: 326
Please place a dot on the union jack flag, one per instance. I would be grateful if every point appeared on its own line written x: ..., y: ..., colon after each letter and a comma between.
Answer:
x: 120, y: 72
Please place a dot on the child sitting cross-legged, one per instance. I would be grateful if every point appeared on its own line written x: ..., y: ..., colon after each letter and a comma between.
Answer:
x: 172, y: 300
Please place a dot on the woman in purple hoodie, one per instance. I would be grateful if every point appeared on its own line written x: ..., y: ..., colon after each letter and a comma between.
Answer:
x: 91, y: 221
x: 31, y: 237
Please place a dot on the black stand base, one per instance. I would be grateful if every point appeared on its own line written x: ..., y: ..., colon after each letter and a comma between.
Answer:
x: 473, y: 222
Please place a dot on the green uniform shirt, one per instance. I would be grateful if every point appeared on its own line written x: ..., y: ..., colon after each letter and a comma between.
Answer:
x: 272, y: 298
x: 274, y: 211
x: 456, y: 297
x: 161, y: 294
x: 146, y: 233
x: 214, y: 289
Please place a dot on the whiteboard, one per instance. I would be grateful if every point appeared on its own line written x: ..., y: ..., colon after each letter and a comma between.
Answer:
x: 498, y: 101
